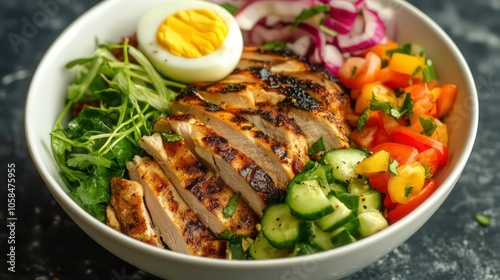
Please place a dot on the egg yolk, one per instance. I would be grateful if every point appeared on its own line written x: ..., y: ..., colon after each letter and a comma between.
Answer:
x: 192, y: 33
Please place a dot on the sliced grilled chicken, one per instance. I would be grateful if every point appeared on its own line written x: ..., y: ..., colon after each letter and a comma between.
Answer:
x: 236, y: 169
x: 314, y: 121
x: 331, y: 98
x: 278, y: 126
x: 179, y: 227
x: 127, y: 200
x: 111, y: 219
x: 283, y: 60
x: 269, y: 154
x: 206, y: 194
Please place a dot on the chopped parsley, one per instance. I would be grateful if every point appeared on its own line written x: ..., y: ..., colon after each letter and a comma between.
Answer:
x: 309, y: 13
x: 406, y: 49
x: 318, y: 146
x: 428, y: 125
x: 360, y: 124
x: 393, y: 167
x: 232, y: 9
x: 231, y: 206
x: 172, y: 137
x: 273, y: 45
x: 405, y: 110
x: 353, y: 72
x: 408, y: 191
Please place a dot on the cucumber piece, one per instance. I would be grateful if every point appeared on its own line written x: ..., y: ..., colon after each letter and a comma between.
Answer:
x: 337, y: 188
x: 324, y: 174
x: 280, y: 227
x: 306, y: 231
x: 340, y: 216
x: 344, y: 162
x: 342, y: 237
x: 353, y: 227
x: 350, y: 200
x: 359, y: 186
x: 261, y: 249
x: 302, y: 249
x: 322, y: 239
x: 371, y: 222
x: 308, y: 201
x: 370, y: 201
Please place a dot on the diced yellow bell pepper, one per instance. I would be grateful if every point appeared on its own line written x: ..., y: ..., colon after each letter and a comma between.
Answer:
x: 407, y: 64
x: 378, y: 162
x: 381, y: 92
x: 407, y: 183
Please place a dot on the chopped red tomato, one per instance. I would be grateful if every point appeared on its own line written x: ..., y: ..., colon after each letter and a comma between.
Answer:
x: 379, y: 181
x: 405, y: 135
x: 394, y: 79
x: 401, y: 210
x: 403, y: 154
x: 365, y: 137
x: 430, y: 158
x: 446, y: 99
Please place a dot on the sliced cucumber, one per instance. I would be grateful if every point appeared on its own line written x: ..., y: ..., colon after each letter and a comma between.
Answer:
x: 261, y: 249
x: 337, y: 188
x: 324, y: 174
x: 359, y: 186
x: 344, y: 162
x: 322, y: 239
x: 280, y: 227
x: 371, y: 222
x: 308, y: 201
x: 302, y: 249
x: 350, y: 200
x: 370, y: 201
x: 340, y: 216
x: 342, y: 237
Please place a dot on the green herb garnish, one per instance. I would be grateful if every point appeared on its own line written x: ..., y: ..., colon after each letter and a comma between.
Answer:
x: 172, y: 137
x: 273, y: 45
x: 428, y: 125
x: 309, y: 13
x: 232, y: 9
x: 318, y: 146
x: 408, y: 191
x: 393, y: 165
x: 231, y: 206
x: 360, y: 124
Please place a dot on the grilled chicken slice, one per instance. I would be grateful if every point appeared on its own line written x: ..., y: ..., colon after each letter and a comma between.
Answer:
x: 236, y: 169
x: 283, y: 60
x: 179, y: 227
x: 206, y: 194
x: 269, y: 154
x: 127, y: 200
x: 331, y: 98
x: 278, y: 126
x: 111, y: 219
x: 314, y: 121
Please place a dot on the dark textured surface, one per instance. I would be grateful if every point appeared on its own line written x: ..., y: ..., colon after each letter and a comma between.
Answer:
x: 451, y: 245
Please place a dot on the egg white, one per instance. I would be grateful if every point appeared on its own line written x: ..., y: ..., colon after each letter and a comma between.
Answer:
x: 211, y: 67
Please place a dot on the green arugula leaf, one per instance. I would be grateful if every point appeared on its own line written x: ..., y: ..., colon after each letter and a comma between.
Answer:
x: 428, y: 125
x: 82, y: 161
x: 309, y: 13
x: 318, y: 146
x: 231, y: 206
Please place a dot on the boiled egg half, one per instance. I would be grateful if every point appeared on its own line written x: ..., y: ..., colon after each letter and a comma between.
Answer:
x: 190, y: 40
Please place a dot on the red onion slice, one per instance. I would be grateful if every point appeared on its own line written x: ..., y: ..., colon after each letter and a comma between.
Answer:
x: 373, y: 33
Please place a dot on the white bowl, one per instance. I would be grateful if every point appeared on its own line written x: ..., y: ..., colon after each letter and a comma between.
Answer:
x: 111, y: 20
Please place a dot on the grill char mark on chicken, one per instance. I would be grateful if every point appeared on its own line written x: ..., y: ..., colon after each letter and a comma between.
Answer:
x: 206, y: 194
x: 237, y: 169
x: 179, y: 227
